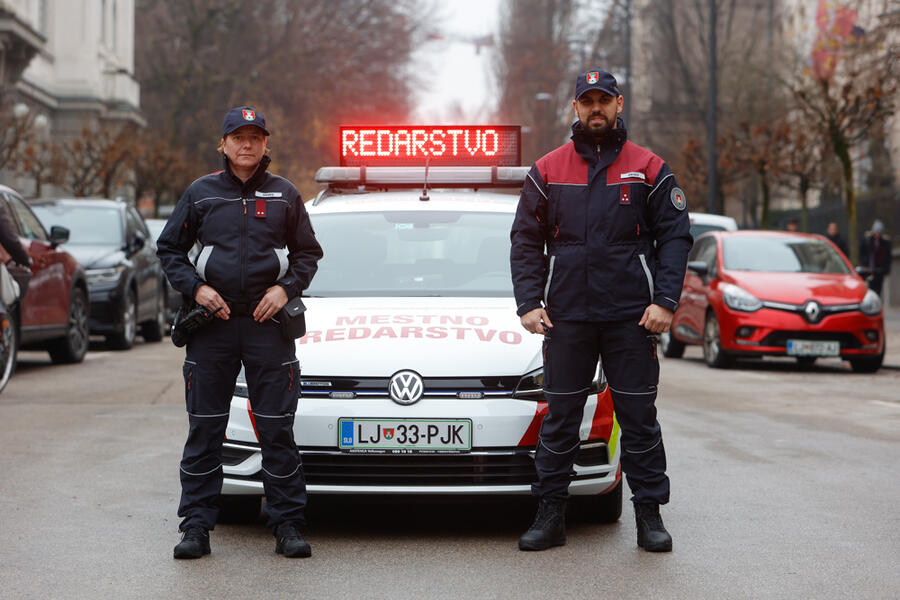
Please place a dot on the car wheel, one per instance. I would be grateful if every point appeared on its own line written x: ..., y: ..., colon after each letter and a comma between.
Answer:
x: 124, y: 339
x: 868, y: 364
x: 670, y: 347
x: 153, y: 331
x: 239, y: 509
x: 74, y: 345
x: 601, y: 508
x: 9, y: 347
x: 712, y: 344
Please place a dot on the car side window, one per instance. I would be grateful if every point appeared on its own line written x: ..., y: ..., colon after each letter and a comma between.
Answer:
x: 31, y: 227
x: 707, y: 254
x: 139, y: 224
x: 695, y: 251
x: 4, y: 206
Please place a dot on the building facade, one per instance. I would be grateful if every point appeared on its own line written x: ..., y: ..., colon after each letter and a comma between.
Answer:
x: 69, y: 64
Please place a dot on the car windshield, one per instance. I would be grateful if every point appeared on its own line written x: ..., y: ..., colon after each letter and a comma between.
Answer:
x: 421, y: 253
x: 87, y: 225
x: 697, y: 229
x: 783, y: 254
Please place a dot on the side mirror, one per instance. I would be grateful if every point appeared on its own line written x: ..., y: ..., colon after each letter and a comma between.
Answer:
x: 699, y: 267
x: 137, y: 242
x: 864, y: 272
x: 58, y: 235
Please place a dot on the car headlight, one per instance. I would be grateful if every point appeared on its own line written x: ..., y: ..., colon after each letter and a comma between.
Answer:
x: 740, y: 299
x: 871, y: 304
x: 531, y: 386
x: 101, y: 276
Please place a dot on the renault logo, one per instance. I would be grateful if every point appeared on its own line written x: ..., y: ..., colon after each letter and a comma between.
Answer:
x: 812, y: 311
x: 406, y: 387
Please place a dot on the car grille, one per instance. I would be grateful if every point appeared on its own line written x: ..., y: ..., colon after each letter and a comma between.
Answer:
x: 435, y: 387
x: 508, y: 466
x: 847, y: 340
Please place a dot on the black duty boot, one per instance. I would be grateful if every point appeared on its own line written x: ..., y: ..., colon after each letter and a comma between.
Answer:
x: 549, y: 527
x: 194, y: 543
x: 289, y: 542
x: 651, y: 533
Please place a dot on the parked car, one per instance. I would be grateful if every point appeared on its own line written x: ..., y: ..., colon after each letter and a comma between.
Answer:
x: 53, y: 312
x: 758, y: 293
x: 127, y: 287
x: 703, y: 222
x: 417, y: 377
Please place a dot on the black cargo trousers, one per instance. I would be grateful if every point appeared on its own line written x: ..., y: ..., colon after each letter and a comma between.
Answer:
x: 628, y: 353
x: 214, y: 356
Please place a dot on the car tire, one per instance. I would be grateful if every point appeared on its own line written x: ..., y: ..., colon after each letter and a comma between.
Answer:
x: 713, y: 354
x: 124, y: 339
x: 669, y: 346
x: 868, y: 364
x: 153, y: 331
x: 9, y: 348
x: 239, y: 509
x: 72, y: 347
x: 600, y: 508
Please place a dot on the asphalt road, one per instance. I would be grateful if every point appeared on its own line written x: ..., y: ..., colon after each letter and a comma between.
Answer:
x: 784, y: 485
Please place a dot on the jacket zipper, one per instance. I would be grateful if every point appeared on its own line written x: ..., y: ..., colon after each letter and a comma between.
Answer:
x: 243, y: 238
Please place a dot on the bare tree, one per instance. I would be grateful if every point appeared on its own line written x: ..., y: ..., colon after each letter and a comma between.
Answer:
x: 848, y: 94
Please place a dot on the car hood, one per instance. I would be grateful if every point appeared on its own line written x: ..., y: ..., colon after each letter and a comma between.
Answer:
x: 797, y: 288
x: 436, y: 337
x: 96, y: 257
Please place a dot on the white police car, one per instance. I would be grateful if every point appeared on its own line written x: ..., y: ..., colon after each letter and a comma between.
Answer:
x: 417, y: 377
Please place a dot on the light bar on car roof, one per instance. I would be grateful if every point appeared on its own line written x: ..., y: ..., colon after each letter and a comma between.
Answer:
x: 415, y: 176
x: 417, y: 145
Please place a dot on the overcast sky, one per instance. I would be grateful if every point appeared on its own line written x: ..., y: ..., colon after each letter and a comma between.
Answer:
x: 454, y: 73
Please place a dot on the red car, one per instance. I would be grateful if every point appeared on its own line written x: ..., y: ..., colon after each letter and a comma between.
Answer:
x: 53, y: 314
x: 758, y: 293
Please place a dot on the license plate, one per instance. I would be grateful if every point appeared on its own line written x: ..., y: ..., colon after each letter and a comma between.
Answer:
x: 813, y: 348
x: 404, y: 435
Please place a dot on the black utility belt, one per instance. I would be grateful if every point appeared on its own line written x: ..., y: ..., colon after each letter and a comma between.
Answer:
x: 242, y: 309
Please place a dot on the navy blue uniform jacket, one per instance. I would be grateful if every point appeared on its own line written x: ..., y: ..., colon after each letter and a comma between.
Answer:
x: 253, y: 234
x: 614, y: 225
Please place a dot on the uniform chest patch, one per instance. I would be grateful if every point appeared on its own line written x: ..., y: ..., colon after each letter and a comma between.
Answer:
x: 678, y: 199
x: 624, y: 194
x: 633, y: 175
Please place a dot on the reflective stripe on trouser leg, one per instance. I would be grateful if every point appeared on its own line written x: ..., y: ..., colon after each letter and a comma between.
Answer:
x: 632, y: 370
x: 201, y: 472
x: 210, y: 369
x: 570, y: 357
x: 273, y: 381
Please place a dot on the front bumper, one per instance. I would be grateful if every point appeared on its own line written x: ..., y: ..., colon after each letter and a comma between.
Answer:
x: 501, y: 461
x: 106, y: 310
x: 766, y: 332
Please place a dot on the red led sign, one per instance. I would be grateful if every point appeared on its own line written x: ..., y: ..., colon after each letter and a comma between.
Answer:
x: 451, y: 145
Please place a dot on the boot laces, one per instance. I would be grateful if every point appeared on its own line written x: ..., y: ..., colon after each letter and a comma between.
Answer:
x: 546, y: 513
x: 193, y: 533
x: 652, y: 518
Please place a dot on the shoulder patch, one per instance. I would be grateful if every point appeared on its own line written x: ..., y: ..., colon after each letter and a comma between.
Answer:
x: 678, y: 199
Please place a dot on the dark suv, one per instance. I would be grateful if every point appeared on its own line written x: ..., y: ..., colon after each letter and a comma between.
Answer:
x: 53, y: 313
x: 111, y: 241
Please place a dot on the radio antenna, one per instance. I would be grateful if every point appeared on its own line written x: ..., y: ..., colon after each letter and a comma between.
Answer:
x: 424, y: 197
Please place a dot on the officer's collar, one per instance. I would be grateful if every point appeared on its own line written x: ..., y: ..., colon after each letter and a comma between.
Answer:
x: 257, y: 176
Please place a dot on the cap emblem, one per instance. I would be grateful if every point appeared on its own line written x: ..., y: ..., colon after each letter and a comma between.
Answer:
x: 248, y: 114
x: 592, y: 77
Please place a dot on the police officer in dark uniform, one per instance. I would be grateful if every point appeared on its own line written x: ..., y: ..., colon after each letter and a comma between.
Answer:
x: 617, y: 235
x: 243, y: 216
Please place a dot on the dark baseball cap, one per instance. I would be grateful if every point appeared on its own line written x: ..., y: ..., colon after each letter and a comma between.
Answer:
x: 596, y: 80
x: 240, y: 116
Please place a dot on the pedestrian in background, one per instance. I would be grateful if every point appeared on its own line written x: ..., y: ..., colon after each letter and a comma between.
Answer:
x: 793, y: 225
x: 615, y: 226
x: 242, y: 216
x: 834, y: 234
x: 875, y: 253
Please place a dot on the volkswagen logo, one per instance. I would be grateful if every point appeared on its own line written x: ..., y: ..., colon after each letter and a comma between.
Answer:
x: 812, y: 311
x: 406, y: 387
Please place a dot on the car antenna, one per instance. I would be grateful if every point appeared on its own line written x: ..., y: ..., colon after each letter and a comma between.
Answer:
x: 424, y: 197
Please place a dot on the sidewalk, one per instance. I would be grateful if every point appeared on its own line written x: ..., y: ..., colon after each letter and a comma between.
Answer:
x: 892, y: 337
